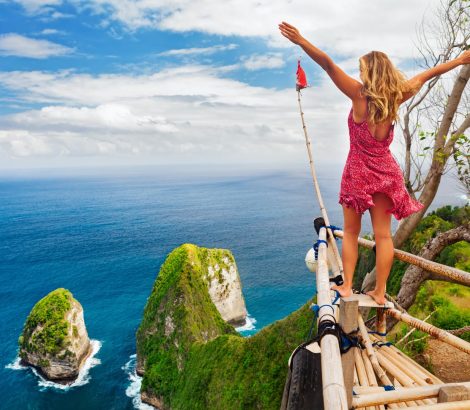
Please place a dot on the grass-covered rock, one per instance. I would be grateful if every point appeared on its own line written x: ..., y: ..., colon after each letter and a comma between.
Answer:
x: 191, y: 358
x: 54, y: 337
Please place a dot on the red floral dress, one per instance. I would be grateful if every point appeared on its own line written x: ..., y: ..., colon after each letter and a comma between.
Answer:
x: 371, y: 167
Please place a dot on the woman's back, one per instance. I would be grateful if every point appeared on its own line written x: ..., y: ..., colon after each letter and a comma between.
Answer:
x: 380, y: 131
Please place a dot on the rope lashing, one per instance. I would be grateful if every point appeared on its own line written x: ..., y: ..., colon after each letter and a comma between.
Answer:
x: 338, y: 295
x: 380, y: 344
x: 371, y: 332
x: 333, y: 228
x: 316, y: 245
x: 389, y: 387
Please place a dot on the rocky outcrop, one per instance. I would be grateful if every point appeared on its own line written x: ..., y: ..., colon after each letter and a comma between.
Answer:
x: 188, y: 353
x: 225, y: 289
x: 54, y: 338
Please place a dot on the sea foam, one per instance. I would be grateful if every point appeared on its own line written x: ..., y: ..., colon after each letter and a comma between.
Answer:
x: 135, y: 382
x: 249, y: 324
x: 82, y: 378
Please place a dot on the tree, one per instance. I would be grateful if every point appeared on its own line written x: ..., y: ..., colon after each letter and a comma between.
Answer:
x: 428, y: 155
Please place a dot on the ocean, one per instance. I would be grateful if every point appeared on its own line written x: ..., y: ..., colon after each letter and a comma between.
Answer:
x: 104, y: 235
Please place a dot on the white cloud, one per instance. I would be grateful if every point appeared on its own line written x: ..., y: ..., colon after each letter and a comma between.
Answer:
x: 197, y: 50
x: 38, y: 6
x: 181, y: 114
x: 263, y: 61
x: 51, y: 31
x: 347, y: 27
x: 12, y: 44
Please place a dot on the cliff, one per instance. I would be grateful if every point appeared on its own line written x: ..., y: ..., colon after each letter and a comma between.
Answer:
x: 54, y: 338
x: 191, y: 358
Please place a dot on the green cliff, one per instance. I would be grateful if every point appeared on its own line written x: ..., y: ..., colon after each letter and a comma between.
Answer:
x: 191, y: 358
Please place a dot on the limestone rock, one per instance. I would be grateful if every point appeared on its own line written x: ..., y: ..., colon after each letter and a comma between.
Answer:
x: 54, y: 338
x: 225, y: 290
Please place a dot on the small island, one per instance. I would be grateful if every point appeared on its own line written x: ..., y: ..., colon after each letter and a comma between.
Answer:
x: 54, y: 338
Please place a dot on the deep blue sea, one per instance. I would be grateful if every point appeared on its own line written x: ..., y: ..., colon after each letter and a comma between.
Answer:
x: 104, y: 235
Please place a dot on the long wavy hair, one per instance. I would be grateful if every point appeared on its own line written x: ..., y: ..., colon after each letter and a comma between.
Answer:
x: 383, y: 85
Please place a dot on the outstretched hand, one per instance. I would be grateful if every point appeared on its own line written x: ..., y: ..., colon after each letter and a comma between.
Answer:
x: 465, y: 57
x: 290, y: 32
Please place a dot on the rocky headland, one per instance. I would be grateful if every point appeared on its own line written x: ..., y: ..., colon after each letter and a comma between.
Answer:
x: 188, y: 351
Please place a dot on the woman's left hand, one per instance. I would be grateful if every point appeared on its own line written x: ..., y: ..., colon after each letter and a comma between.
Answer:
x: 290, y: 32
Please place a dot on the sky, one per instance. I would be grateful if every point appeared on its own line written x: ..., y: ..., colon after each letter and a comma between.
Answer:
x: 146, y: 82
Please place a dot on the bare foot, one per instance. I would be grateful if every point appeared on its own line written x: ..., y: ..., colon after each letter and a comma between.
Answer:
x: 378, y: 297
x: 343, y: 290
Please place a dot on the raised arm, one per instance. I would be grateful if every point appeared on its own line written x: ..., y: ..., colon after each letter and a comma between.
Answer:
x: 418, y: 80
x: 344, y: 82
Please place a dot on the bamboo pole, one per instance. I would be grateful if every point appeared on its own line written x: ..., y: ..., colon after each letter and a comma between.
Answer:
x: 430, y: 329
x: 398, y: 386
x: 331, y: 238
x: 361, y: 372
x: 453, y: 405
x: 397, y: 373
x: 394, y: 396
x: 371, y: 353
x: 407, y: 370
x: 431, y: 266
x: 334, y: 392
x: 370, y: 375
x: 412, y: 371
x: 413, y: 329
x: 409, y: 360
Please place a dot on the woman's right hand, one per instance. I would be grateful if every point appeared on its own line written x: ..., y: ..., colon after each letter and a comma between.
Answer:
x: 290, y: 32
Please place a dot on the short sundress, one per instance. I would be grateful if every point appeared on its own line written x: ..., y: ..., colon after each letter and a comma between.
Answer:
x: 370, y: 167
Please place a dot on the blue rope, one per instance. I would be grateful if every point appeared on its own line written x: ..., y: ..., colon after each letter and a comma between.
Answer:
x: 316, y: 245
x: 316, y: 309
x: 338, y: 295
x: 377, y: 333
x: 380, y: 344
x: 333, y: 228
x: 389, y: 387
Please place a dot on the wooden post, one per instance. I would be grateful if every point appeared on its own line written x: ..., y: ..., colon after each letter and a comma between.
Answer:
x: 348, y: 311
x: 453, y: 393
x: 380, y: 321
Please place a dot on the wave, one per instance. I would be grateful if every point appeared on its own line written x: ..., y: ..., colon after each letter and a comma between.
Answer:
x: 82, y: 378
x: 133, y: 390
x: 250, y: 322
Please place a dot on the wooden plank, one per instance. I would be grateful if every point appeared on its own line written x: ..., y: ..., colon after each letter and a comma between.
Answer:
x: 348, y: 311
x: 367, y: 301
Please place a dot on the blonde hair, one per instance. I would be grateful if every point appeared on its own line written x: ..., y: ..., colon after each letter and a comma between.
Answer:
x: 383, y: 85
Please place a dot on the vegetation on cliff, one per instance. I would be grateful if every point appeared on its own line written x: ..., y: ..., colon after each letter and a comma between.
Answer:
x: 192, y: 359
x: 46, y: 328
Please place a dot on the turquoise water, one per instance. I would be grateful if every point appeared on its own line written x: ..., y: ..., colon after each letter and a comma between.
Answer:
x: 105, y: 237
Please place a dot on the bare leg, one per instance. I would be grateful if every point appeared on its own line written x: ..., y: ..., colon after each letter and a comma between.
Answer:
x: 351, y: 231
x: 381, y: 222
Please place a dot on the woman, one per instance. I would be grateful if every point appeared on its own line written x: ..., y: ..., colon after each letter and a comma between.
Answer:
x: 371, y: 178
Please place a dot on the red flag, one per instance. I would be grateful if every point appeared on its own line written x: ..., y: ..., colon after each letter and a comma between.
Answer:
x: 301, y: 77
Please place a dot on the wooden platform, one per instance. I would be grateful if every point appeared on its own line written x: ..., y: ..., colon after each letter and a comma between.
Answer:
x: 366, y: 301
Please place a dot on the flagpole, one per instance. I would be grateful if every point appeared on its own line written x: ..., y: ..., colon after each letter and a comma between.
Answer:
x: 331, y: 240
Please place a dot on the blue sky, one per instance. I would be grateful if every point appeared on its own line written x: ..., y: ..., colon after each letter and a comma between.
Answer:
x: 111, y: 82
